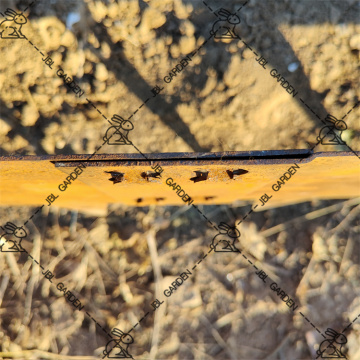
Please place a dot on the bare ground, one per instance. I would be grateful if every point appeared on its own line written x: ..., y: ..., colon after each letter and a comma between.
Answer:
x: 119, y: 263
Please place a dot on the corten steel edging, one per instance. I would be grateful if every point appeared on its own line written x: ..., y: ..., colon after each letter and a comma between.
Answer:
x: 28, y: 180
x: 166, y: 156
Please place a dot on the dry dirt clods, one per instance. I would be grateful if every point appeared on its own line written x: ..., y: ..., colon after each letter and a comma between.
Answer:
x: 48, y: 61
x: 262, y: 61
x: 179, y: 281
x: 177, y: 69
x: 60, y: 72
x: 274, y: 73
x: 285, y: 84
x: 70, y: 82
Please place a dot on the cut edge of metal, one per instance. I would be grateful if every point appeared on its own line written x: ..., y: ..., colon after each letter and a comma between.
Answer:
x: 198, y: 159
x: 187, y: 158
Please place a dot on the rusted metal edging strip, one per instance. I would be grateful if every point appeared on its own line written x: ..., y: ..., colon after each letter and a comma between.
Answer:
x: 194, y: 159
x: 231, y: 176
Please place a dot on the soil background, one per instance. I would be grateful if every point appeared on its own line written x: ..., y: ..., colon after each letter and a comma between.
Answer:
x: 119, y: 263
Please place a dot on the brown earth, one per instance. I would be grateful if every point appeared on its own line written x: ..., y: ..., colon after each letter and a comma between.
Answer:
x: 118, y: 263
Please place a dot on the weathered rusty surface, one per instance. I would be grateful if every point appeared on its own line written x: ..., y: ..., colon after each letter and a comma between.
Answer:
x: 28, y: 180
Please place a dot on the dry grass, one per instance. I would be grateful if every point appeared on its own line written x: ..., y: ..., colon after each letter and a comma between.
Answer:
x: 118, y: 264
